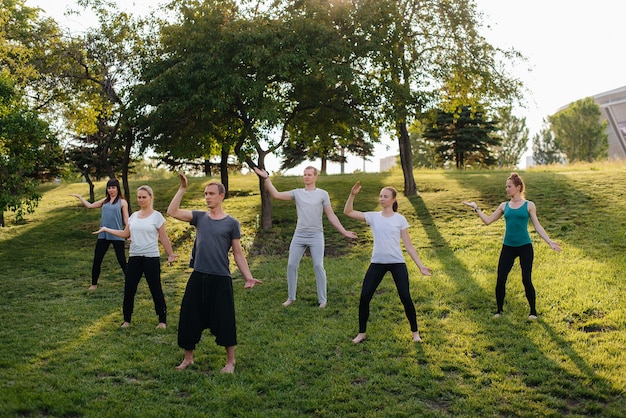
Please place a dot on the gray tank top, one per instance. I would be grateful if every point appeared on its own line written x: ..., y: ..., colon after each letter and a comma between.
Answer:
x: 111, y: 218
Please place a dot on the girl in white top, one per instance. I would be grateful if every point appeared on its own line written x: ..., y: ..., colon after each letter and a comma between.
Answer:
x: 146, y: 228
x: 388, y: 227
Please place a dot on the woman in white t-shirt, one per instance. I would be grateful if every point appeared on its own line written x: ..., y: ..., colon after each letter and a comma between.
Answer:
x: 146, y: 228
x: 388, y: 227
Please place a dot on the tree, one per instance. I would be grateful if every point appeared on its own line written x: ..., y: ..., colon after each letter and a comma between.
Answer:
x: 463, y: 137
x: 97, y: 70
x: 424, y: 153
x: 514, y: 134
x: 254, y: 80
x: 412, y: 48
x: 28, y: 153
x: 579, y: 133
x: 545, y: 149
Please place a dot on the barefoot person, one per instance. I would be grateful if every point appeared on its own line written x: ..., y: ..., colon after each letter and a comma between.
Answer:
x: 388, y: 228
x: 209, y: 301
x: 114, y: 216
x: 309, y: 233
x: 146, y: 228
x: 517, y: 242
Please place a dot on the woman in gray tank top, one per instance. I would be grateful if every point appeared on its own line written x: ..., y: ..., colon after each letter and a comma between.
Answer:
x: 114, y: 216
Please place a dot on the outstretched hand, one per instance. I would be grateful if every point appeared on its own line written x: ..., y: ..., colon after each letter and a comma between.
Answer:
x: 356, y: 188
x: 426, y: 271
x: 261, y: 173
x: 472, y: 205
x: 251, y: 282
x: 350, y: 235
x: 555, y: 246
x: 171, y: 258
x: 183, y: 180
x: 102, y: 229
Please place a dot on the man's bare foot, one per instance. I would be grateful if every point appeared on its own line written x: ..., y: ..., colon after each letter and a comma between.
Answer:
x: 184, y: 364
x: 161, y: 325
x: 360, y: 337
x: 93, y: 287
x: 125, y: 325
x: 288, y: 302
x: 416, y: 337
x: 229, y: 368
x: 323, y: 305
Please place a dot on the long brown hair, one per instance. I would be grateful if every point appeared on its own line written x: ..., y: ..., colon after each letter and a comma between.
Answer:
x: 116, y: 183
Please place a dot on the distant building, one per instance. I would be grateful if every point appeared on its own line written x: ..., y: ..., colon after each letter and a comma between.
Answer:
x: 613, y: 108
x: 387, y: 163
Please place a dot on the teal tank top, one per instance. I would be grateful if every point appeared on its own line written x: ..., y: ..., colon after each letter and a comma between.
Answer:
x: 516, y: 233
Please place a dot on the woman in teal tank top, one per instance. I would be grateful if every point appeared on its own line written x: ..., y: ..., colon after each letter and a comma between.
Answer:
x: 517, y: 243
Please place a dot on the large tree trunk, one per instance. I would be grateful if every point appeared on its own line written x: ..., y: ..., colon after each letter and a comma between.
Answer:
x: 128, y: 143
x: 406, y: 159
x: 224, y: 168
x: 266, y: 199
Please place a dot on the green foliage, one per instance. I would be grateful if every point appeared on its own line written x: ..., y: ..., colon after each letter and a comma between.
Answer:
x: 514, y: 134
x: 579, y: 133
x: 545, y: 149
x: 463, y: 137
x: 28, y: 153
x: 63, y: 353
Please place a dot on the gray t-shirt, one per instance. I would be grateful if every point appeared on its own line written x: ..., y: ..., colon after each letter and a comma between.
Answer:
x: 213, y: 241
x: 310, y: 206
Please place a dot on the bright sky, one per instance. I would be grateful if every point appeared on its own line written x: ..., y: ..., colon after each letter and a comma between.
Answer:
x: 574, y: 50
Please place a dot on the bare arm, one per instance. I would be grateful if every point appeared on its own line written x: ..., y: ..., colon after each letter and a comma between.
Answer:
x: 483, y: 217
x: 124, y: 233
x: 124, y: 205
x: 532, y: 210
x: 270, y: 187
x: 167, y: 245
x: 410, y: 249
x: 348, y: 209
x: 96, y: 204
x: 242, y: 264
x: 334, y: 220
x: 174, y: 209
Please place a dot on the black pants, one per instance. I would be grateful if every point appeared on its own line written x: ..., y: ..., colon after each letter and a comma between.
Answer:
x: 373, y: 277
x: 101, y: 248
x: 151, y: 268
x: 208, y: 303
x: 508, y: 255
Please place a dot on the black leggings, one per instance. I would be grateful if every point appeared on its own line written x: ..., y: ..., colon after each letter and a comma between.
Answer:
x: 101, y: 248
x: 373, y: 277
x: 151, y: 268
x: 508, y: 254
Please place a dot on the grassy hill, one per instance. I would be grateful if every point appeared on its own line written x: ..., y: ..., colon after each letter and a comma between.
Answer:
x: 64, y: 354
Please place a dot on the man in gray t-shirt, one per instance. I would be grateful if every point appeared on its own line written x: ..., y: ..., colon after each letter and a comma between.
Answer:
x: 309, y: 233
x: 209, y: 301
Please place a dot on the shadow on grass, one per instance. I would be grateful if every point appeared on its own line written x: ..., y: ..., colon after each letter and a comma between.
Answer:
x: 540, y: 373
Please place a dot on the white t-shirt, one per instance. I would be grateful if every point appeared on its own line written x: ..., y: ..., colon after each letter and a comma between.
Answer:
x: 386, y: 232
x: 144, y: 234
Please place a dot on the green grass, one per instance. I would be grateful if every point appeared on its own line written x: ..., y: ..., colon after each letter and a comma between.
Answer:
x: 63, y: 353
